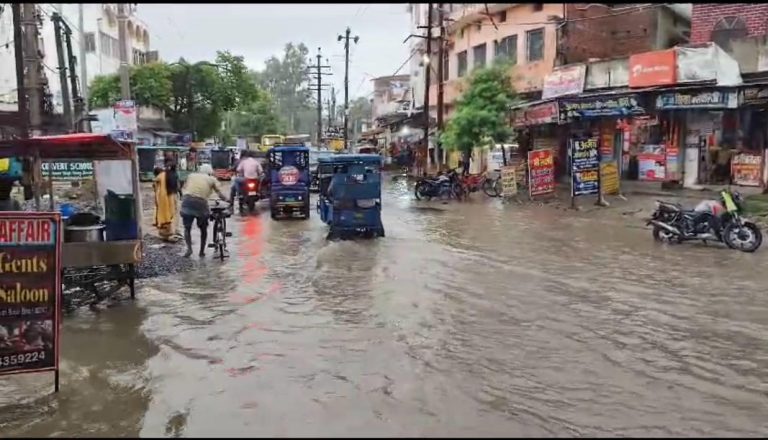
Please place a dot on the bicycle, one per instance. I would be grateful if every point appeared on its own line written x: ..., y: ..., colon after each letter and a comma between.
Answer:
x: 220, y: 214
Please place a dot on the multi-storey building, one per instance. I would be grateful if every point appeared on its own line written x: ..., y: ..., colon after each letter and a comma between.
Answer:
x: 99, y: 37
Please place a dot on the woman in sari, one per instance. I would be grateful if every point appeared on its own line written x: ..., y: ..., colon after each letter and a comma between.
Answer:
x: 166, y: 206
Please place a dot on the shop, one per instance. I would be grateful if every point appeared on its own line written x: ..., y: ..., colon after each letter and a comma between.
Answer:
x: 748, y: 167
x: 537, y: 129
x: 703, y: 126
x: 609, y: 118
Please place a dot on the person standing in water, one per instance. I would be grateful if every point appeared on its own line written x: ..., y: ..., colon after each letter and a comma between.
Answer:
x: 194, y: 205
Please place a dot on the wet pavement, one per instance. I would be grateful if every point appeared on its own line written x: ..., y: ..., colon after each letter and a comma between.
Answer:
x: 472, y: 319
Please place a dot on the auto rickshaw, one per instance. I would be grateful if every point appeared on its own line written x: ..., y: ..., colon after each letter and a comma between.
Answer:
x: 350, y: 195
x: 289, y: 181
x: 222, y: 161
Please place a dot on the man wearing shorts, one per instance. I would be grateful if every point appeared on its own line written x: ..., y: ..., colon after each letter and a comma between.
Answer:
x: 194, y: 205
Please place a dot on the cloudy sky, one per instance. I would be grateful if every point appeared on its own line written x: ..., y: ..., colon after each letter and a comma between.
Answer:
x: 258, y: 31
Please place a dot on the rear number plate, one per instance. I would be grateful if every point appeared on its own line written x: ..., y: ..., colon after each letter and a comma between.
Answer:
x: 251, y: 193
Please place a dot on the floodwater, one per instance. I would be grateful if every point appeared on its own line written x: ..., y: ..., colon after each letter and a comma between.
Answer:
x: 472, y: 319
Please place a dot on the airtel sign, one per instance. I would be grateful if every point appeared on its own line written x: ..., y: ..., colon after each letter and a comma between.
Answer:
x: 653, y: 69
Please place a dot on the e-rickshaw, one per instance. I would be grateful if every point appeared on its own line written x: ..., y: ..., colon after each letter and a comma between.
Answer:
x: 289, y: 181
x: 350, y: 195
x: 100, y: 259
x: 151, y: 157
x: 222, y: 161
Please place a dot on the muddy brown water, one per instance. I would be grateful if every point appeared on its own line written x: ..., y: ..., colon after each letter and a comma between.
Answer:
x: 476, y: 319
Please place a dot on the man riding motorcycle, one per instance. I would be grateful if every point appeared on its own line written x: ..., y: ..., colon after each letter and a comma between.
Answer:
x: 248, y: 168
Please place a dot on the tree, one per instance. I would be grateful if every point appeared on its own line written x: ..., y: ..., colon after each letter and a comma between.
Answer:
x: 286, y: 81
x: 481, y: 112
x: 360, y: 110
x: 150, y: 86
x: 257, y: 119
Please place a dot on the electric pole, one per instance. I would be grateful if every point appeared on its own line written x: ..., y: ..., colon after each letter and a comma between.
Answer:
x: 440, y: 84
x: 83, y: 63
x: 346, y: 37
x: 21, y: 95
x: 32, y: 68
x: 318, y: 79
x: 333, y: 105
x: 427, y: 80
x: 66, y: 102
x: 122, y: 39
x: 77, y: 100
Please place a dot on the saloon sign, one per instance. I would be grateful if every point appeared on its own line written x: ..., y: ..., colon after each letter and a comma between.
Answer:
x: 546, y: 113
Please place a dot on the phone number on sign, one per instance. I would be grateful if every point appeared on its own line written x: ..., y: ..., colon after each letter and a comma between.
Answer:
x: 21, y: 358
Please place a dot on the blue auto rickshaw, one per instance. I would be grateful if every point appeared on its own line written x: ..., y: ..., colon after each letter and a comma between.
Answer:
x: 289, y: 181
x: 350, y: 195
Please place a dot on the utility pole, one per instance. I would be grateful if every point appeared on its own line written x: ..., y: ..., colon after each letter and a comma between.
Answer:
x: 427, y: 79
x: 333, y: 105
x: 440, y: 83
x: 32, y: 68
x: 122, y: 37
x: 77, y: 100
x: 66, y: 102
x: 21, y: 95
x: 319, y: 73
x: 330, y: 114
x: 83, y: 63
x: 346, y: 38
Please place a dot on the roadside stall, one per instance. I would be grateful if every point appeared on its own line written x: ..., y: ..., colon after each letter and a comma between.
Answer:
x: 748, y: 166
x: 102, y: 241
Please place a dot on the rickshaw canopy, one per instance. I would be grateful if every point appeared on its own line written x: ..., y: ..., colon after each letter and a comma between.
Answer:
x: 67, y: 146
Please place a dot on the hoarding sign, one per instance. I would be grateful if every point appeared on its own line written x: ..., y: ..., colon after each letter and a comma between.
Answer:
x: 627, y: 105
x: 563, y: 81
x: 712, y: 99
x: 585, y: 167
x: 541, y: 172
x: 68, y: 169
x: 746, y: 169
x: 539, y: 114
x: 30, y: 292
x: 656, y: 68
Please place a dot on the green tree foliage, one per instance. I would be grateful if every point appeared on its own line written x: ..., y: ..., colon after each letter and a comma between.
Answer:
x: 255, y: 120
x: 482, y: 111
x: 360, y: 110
x: 286, y: 81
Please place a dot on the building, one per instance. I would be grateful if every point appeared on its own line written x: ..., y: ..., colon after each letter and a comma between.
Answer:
x: 417, y: 46
x: 100, y: 32
x: 391, y: 94
x: 723, y: 22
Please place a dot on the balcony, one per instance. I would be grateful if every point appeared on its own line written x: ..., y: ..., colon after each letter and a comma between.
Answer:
x: 464, y: 14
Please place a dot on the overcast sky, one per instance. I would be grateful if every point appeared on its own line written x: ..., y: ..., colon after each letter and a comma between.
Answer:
x: 258, y: 31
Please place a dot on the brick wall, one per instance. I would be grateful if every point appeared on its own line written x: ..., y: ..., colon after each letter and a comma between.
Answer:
x: 603, y: 32
x: 705, y: 15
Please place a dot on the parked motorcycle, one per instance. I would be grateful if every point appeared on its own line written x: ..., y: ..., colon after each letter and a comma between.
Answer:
x: 711, y: 220
x: 448, y: 186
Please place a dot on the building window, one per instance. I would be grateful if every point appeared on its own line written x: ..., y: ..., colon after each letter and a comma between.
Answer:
x: 538, y: 7
x: 446, y: 66
x: 478, y: 55
x: 139, y: 57
x: 90, y: 42
x: 461, y: 63
x: 535, y: 44
x: 110, y: 46
x: 727, y: 29
x: 502, y: 16
x: 506, y: 49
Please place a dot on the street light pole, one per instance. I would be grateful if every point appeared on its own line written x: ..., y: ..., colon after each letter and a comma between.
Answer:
x: 122, y: 39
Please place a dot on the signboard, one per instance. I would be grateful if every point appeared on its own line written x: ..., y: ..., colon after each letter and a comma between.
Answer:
x: 653, y: 68
x: 651, y: 167
x: 627, y: 105
x: 607, y: 136
x: 508, y: 181
x: 746, y: 169
x: 673, y: 163
x: 68, y: 169
x: 568, y: 80
x: 546, y: 113
x: 585, y: 167
x: 609, y: 178
x: 30, y: 292
x: 541, y: 172
x: 126, y: 118
x: 607, y: 74
x: 754, y: 96
x: 714, y: 99
x: 289, y: 175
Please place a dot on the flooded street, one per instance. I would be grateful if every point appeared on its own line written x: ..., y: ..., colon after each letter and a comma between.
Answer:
x: 474, y: 319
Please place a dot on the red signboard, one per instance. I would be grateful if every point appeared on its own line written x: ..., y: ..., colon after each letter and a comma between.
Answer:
x: 653, y: 68
x: 546, y: 113
x: 541, y: 172
x: 30, y: 292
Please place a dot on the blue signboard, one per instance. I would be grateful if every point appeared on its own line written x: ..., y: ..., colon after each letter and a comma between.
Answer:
x: 585, y: 167
x: 586, y: 108
x: 714, y: 99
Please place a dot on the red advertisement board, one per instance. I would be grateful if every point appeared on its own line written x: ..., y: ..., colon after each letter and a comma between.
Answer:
x: 30, y: 292
x: 541, y: 172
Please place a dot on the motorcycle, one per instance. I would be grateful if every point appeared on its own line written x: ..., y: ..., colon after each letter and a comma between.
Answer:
x: 249, y: 194
x: 711, y: 220
x: 431, y: 187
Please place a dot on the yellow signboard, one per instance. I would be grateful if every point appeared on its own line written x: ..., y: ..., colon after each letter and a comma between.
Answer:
x: 609, y: 178
x: 508, y: 181
x: 336, y: 144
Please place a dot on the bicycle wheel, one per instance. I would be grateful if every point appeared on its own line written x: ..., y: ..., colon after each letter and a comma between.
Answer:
x: 489, y: 188
x: 222, y: 241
